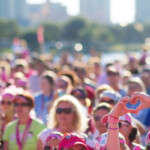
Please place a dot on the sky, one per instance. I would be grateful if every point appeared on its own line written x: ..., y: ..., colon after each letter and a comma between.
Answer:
x: 122, y: 11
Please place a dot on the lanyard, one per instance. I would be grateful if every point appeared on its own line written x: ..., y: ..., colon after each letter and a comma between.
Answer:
x: 21, y: 142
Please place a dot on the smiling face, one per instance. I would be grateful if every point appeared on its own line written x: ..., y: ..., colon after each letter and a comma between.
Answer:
x: 65, y: 119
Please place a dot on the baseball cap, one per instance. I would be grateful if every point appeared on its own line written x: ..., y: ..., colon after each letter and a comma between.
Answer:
x: 52, y: 136
x: 126, y: 118
x: 72, y: 139
x: 111, y: 94
x: 102, y: 141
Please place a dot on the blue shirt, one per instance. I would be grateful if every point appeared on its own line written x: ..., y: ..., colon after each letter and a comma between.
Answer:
x: 42, y: 104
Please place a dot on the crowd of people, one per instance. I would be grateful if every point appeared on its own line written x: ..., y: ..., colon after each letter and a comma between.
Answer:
x: 74, y: 103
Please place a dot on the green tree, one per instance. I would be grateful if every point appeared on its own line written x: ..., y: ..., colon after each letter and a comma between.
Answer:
x: 73, y: 27
x: 52, y: 31
x: 31, y: 38
x: 9, y: 29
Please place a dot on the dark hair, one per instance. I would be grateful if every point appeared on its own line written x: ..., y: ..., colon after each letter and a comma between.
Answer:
x: 104, y: 106
x: 81, y: 90
x: 132, y: 135
x: 49, y: 78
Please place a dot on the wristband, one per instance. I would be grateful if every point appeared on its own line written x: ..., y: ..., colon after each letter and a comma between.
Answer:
x: 112, y: 121
x: 113, y: 128
x: 115, y: 118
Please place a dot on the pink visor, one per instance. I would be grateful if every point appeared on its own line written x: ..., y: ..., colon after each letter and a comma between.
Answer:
x: 71, y: 139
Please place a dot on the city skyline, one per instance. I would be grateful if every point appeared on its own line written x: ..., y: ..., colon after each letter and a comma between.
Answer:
x: 122, y: 11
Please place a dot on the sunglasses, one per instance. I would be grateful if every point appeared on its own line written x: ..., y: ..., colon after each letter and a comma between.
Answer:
x: 21, y: 104
x: 112, y: 74
x: 65, y: 110
x: 108, y: 101
x: 6, y: 102
x: 126, y: 123
x: 119, y: 124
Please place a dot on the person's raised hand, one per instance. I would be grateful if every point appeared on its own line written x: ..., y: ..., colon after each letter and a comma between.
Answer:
x: 120, y: 108
x: 143, y: 98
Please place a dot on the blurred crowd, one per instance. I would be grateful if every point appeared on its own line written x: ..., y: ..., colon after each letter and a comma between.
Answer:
x: 46, y: 104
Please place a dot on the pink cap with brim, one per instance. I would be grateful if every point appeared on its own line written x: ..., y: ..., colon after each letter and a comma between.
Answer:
x: 72, y: 139
x: 126, y: 118
x: 9, y: 92
x: 54, y: 135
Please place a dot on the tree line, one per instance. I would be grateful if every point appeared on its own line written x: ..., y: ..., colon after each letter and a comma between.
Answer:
x: 76, y: 30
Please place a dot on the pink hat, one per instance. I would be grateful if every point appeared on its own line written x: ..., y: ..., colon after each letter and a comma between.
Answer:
x: 71, y: 139
x: 126, y: 118
x: 148, y: 138
x: 10, y: 92
x: 54, y: 135
x: 102, y: 141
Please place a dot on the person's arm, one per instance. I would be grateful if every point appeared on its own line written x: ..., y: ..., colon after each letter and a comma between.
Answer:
x: 5, y: 145
x: 120, y: 109
x: 113, y: 137
x: 40, y: 145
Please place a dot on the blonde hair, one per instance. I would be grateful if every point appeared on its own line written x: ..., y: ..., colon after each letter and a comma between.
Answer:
x: 80, y: 123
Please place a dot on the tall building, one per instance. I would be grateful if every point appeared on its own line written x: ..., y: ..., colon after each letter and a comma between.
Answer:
x: 58, y: 12
x: 14, y: 9
x: 96, y: 10
x: 6, y: 9
x: 142, y: 11
x: 47, y: 12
